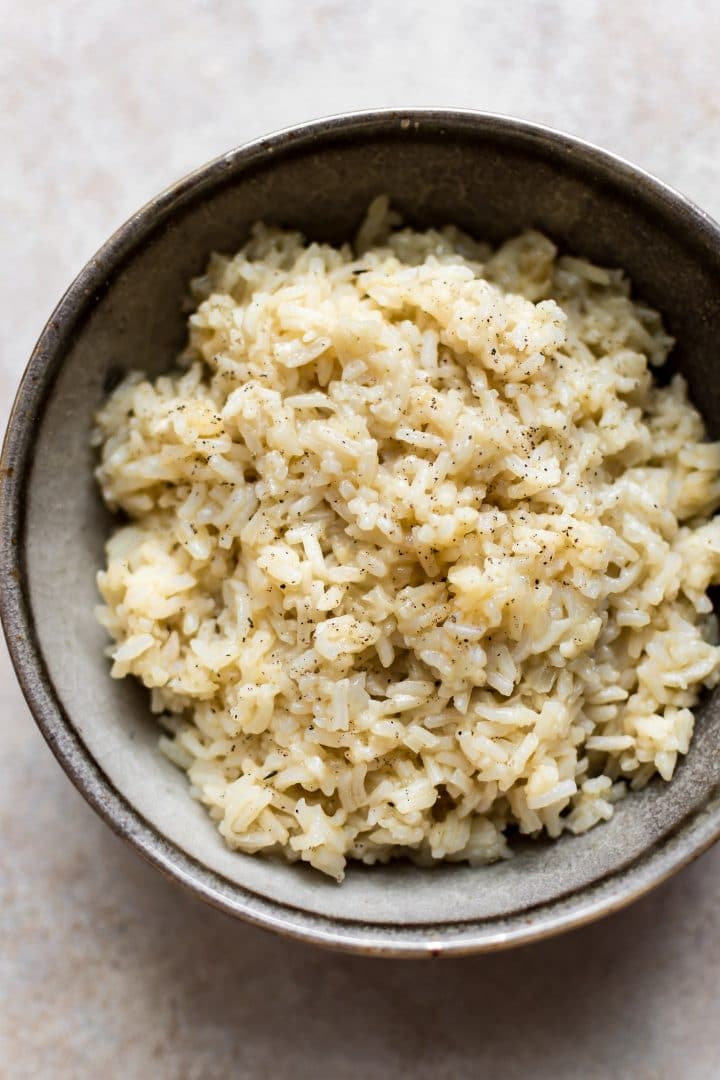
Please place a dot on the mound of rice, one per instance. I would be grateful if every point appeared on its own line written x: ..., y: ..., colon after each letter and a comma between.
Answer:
x: 418, y: 551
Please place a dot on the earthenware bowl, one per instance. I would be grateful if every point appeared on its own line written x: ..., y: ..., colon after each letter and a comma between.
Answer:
x: 492, y: 176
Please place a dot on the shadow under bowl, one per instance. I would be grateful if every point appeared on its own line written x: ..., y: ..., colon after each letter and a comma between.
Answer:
x: 493, y: 177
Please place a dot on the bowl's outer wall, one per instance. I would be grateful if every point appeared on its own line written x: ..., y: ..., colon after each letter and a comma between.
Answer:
x: 493, y: 179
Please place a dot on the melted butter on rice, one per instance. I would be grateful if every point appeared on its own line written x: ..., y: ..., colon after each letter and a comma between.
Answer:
x: 418, y: 549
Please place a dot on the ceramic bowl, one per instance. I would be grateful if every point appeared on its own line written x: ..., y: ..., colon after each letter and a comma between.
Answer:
x: 493, y: 177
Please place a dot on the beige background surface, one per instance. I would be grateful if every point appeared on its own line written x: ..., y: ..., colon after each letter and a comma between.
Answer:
x: 105, y: 968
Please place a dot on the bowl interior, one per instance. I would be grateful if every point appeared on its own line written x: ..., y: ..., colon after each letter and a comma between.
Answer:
x: 491, y: 178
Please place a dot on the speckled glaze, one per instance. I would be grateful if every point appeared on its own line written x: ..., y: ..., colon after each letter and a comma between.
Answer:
x: 492, y: 176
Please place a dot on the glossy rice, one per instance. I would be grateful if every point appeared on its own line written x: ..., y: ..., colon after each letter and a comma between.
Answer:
x: 418, y: 550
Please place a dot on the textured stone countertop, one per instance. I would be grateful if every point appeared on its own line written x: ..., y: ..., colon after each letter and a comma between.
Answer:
x: 106, y: 969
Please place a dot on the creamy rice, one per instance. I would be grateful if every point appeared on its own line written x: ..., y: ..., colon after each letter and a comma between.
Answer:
x: 418, y: 550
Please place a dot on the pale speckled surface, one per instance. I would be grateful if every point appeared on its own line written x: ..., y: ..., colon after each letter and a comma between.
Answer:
x: 105, y: 967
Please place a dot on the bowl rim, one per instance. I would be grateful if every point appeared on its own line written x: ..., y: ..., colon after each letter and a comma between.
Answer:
x: 691, y: 837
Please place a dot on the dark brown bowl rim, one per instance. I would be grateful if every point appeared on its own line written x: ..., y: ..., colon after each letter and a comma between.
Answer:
x: 689, y: 840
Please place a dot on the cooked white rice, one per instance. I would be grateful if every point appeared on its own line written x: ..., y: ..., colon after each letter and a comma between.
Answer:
x: 418, y: 550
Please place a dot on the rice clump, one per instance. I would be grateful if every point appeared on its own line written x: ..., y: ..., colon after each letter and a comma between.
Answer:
x: 417, y: 549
